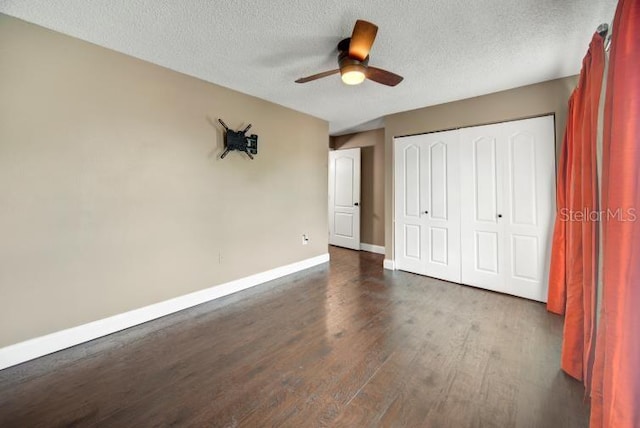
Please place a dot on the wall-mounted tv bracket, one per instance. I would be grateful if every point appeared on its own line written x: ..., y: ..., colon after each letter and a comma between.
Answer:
x: 237, y: 140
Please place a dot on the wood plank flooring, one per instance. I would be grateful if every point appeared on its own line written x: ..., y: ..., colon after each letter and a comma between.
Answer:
x: 345, y: 344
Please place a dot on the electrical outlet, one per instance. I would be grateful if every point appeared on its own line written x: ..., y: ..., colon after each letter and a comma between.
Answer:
x: 305, y: 239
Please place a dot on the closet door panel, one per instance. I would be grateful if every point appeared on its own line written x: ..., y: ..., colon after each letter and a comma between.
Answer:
x: 427, y: 204
x: 442, y: 210
x: 530, y: 198
x: 410, y: 230
x: 482, y: 249
x: 438, y: 180
x: 485, y: 176
x: 522, y: 178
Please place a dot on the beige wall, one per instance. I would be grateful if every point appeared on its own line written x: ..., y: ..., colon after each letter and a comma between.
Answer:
x: 372, y: 181
x: 534, y: 100
x: 112, y: 195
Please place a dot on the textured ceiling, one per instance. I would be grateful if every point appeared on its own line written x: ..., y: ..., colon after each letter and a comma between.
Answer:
x: 446, y: 49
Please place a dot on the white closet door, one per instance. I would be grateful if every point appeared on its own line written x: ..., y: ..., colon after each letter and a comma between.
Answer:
x: 530, y: 205
x: 428, y: 205
x: 482, y: 214
x: 442, y: 205
x: 410, y: 231
x: 344, y: 198
x: 508, y: 197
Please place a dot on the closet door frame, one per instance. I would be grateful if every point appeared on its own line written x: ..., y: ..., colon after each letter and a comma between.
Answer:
x: 516, y: 266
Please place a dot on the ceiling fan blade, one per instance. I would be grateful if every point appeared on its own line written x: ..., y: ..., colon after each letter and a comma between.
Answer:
x: 364, y: 33
x: 383, y: 76
x: 317, y: 76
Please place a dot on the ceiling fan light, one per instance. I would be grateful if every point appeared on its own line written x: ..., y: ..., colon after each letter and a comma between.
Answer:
x: 353, y: 74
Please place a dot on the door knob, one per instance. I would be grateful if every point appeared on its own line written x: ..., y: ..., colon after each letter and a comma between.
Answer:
x: 355, y: 204
x: 426, y: 212
x: 499, y: 215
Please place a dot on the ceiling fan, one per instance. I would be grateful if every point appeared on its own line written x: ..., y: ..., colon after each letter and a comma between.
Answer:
x: 353, y: 59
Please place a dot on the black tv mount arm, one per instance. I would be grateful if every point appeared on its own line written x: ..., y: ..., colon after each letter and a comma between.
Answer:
x: 238, y: 140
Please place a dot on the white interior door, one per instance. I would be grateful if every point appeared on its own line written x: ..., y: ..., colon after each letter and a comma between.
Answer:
x: 442, y: 205
x: 482, y: 214
x: 529, y: 209
x: 508, y: 194
x: 410, y: 228
x: 428, y: 205
x: 344, y: 198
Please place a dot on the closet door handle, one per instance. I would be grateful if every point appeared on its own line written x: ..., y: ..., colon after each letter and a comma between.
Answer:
x: 355, y: 204
x: 499, y: 215
x: 426, y: 212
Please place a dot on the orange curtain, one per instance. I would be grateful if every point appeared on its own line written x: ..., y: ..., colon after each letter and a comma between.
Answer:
x: 572, y: 280
x: 616, y: 376
x: 557, y: 296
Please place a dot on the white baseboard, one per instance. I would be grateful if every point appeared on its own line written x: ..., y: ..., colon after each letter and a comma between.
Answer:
x: 378, y: 249
x: 389, y: 264
x: 39, y: 346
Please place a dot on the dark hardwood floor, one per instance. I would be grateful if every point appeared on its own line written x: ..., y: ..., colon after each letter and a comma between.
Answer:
x: 345, y: 344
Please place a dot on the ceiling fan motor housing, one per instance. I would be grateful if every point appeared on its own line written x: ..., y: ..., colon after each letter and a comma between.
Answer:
x: 348, y: 64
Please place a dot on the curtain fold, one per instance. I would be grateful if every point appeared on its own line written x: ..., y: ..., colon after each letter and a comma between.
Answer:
x: 557, y: 294
x: 590, y: 204
x: 572, y: 278
x: 616, y: 375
